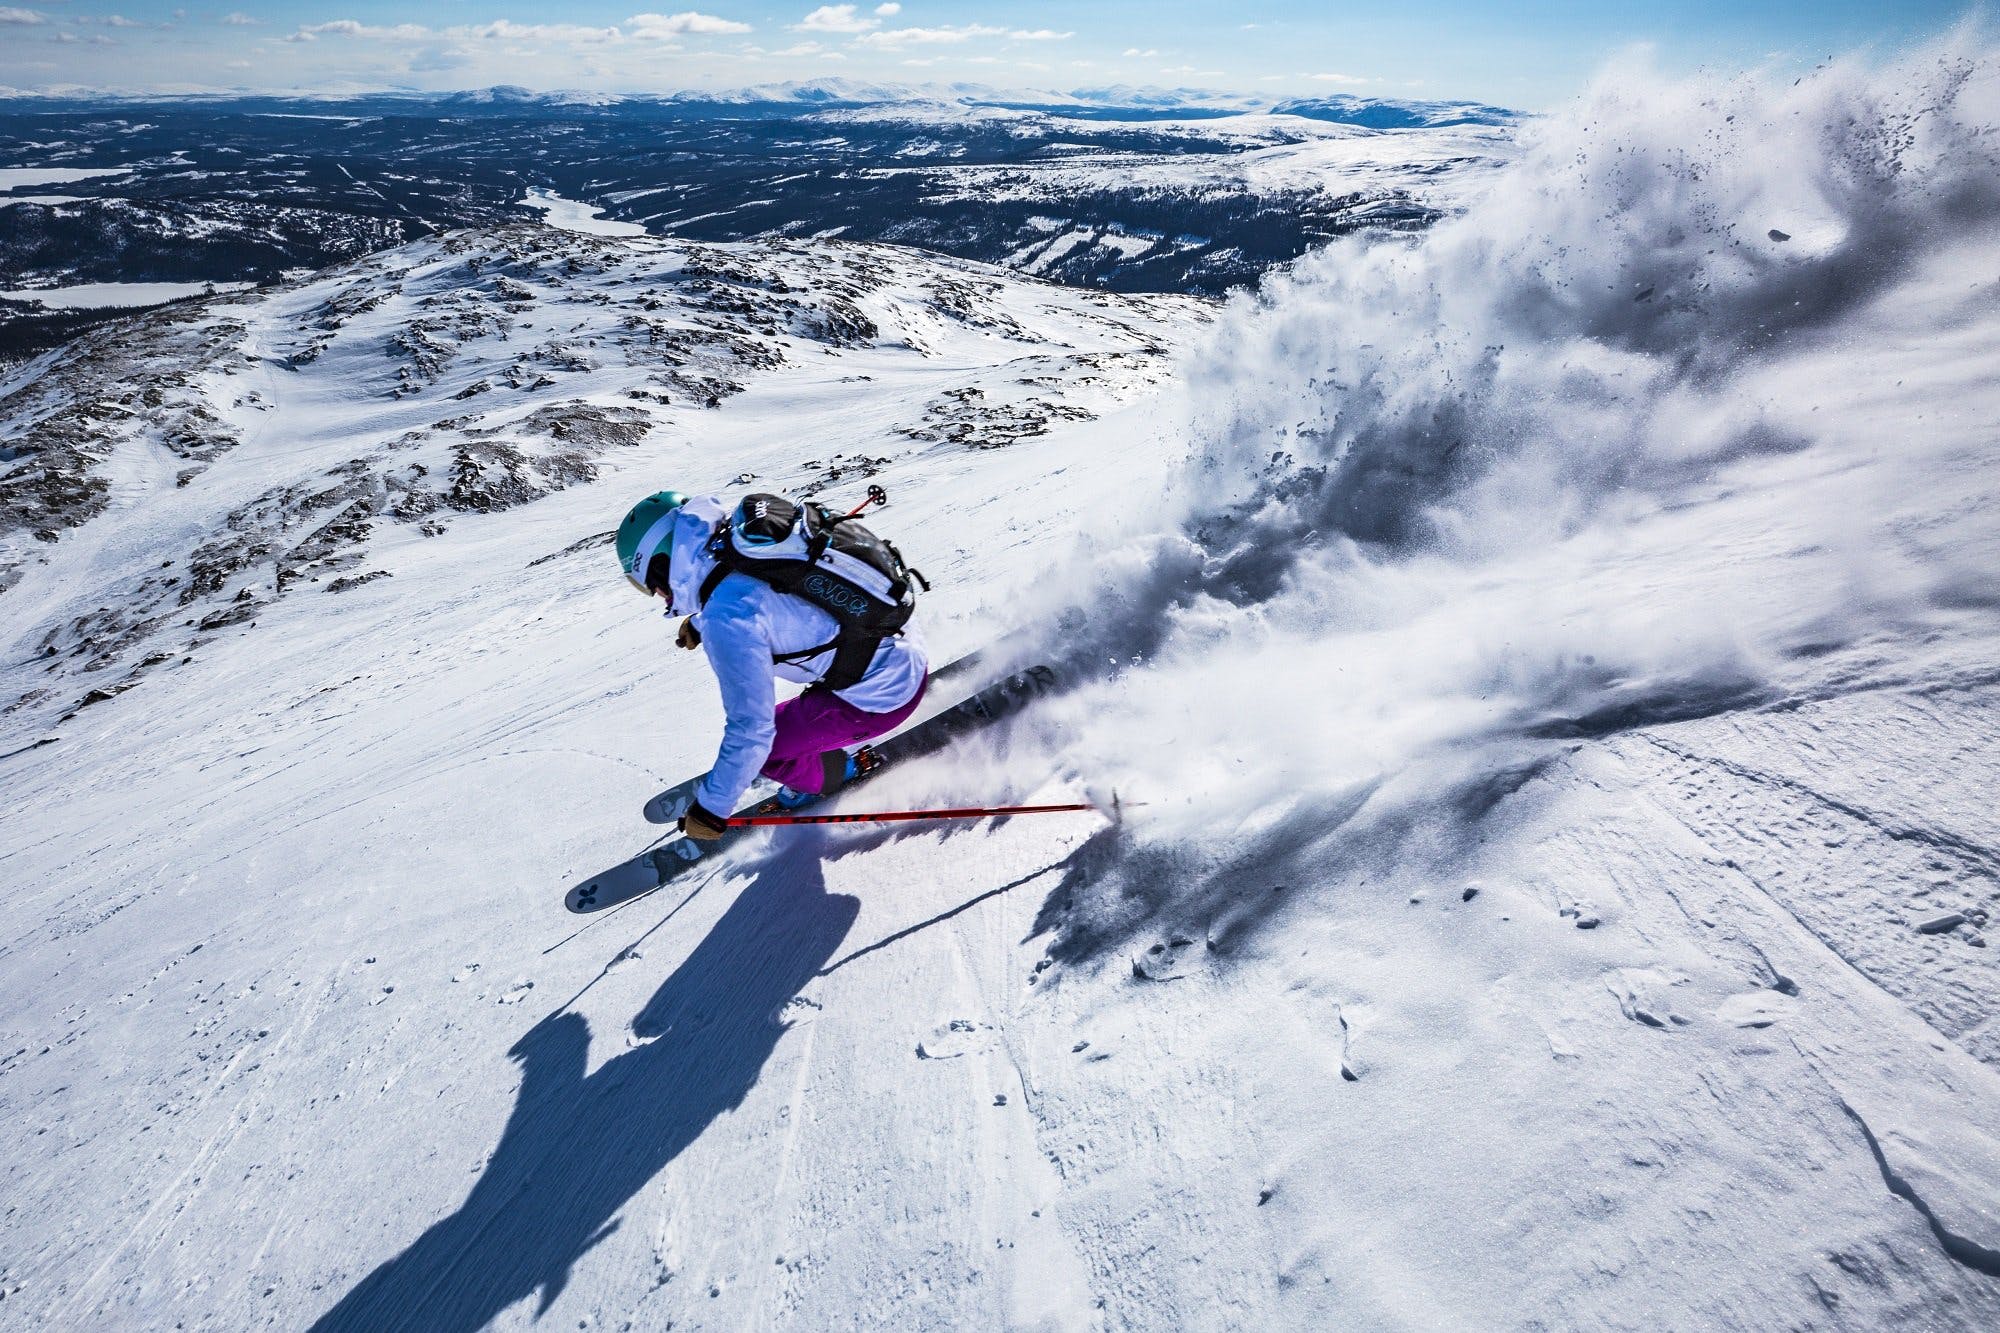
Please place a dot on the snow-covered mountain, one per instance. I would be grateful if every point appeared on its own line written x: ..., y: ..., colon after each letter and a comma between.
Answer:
x: 806, y: 92
x: 293, y: 440
x: 1547, y: 662
x: 1373, y: 112
x: 1382, y: 113
x: 863, y: 92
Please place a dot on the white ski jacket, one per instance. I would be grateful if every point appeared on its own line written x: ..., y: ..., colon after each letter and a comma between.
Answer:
x: 744, y: 624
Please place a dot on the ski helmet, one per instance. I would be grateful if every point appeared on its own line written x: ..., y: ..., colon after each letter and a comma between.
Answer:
x: 646, y: 540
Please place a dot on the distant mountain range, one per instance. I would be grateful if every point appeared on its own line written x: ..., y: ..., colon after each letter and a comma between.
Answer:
x: 1372, y: 112
x: 112, y: 202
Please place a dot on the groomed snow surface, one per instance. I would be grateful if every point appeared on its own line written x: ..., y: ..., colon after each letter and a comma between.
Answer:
x: 1562, y: 682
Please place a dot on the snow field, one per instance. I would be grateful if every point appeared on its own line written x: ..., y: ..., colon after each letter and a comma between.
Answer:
x: 1535, y: 554
x: 316, y: 869
x: 1560, y: 683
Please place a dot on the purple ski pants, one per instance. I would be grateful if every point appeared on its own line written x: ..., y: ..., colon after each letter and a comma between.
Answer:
x: 820, y: 722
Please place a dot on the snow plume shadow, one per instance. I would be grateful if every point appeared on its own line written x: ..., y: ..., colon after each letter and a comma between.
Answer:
x: 1556, y: 468
x: 1119, y: 891
x: 578, y: 1147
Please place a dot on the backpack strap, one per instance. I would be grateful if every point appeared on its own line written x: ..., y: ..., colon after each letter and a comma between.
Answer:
x: 853, y: 654
x: 805, y: 654
x: 714, y: 580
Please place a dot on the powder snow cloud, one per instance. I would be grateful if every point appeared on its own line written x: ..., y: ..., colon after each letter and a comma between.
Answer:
x: 1444, y: 493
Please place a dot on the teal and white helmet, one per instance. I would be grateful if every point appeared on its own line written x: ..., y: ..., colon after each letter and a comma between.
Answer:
x: 646, y: 540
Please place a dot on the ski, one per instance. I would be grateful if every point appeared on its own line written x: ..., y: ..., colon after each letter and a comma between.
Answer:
x: 656, y: 866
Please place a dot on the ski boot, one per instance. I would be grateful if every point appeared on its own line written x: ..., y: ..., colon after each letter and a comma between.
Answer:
x: 838, y: 768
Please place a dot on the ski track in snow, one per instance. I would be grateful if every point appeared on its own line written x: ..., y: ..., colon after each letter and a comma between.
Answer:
x: 1531, y: 944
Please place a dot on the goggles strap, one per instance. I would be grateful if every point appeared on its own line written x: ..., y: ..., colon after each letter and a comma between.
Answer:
x: 642, y: 555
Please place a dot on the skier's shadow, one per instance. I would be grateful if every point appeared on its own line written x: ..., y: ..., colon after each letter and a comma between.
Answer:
x: 577, y: 1147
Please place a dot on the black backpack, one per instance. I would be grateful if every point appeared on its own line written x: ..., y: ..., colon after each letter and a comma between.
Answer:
x: 828, y: 559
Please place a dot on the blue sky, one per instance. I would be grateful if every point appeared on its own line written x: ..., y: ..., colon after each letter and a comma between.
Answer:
x: 1529, y: 55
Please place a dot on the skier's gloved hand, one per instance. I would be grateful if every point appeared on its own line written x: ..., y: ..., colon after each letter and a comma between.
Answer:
x: 699, y: 824
x: 689, y: 636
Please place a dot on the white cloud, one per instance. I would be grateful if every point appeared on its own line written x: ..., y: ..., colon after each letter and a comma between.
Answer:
x: 498, y: 30
x: 930, y: 36
x: 507, y: 30
x: 120, y: 21
x: 888, y: 11
x: 240, y: 21
x: 1146, y: 54
x: 945, y: 34
x: 656, y: 27
x: 440, y: 60
x: 1337, y: 78
x: 312, y: 32
x: 835, y: 18
x: 22, y: 18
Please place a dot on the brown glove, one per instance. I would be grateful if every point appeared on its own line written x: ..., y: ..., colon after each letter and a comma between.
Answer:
x: 700, y: 825
x: 689, y: 636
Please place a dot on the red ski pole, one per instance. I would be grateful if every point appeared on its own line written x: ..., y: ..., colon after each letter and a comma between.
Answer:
x: 897, y: 816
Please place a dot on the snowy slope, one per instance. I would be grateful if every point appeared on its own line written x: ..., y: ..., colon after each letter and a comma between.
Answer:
x: 175, y: 477
x: 309, y: 791
x: 1562, y: 679
x: 1634, y: 548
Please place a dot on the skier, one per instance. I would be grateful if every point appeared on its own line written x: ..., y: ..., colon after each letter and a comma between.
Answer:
x: 858, y: 686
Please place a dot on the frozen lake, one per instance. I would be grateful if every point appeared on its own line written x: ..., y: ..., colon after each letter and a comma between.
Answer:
x: 100, y: 295
x: 574, y: 215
